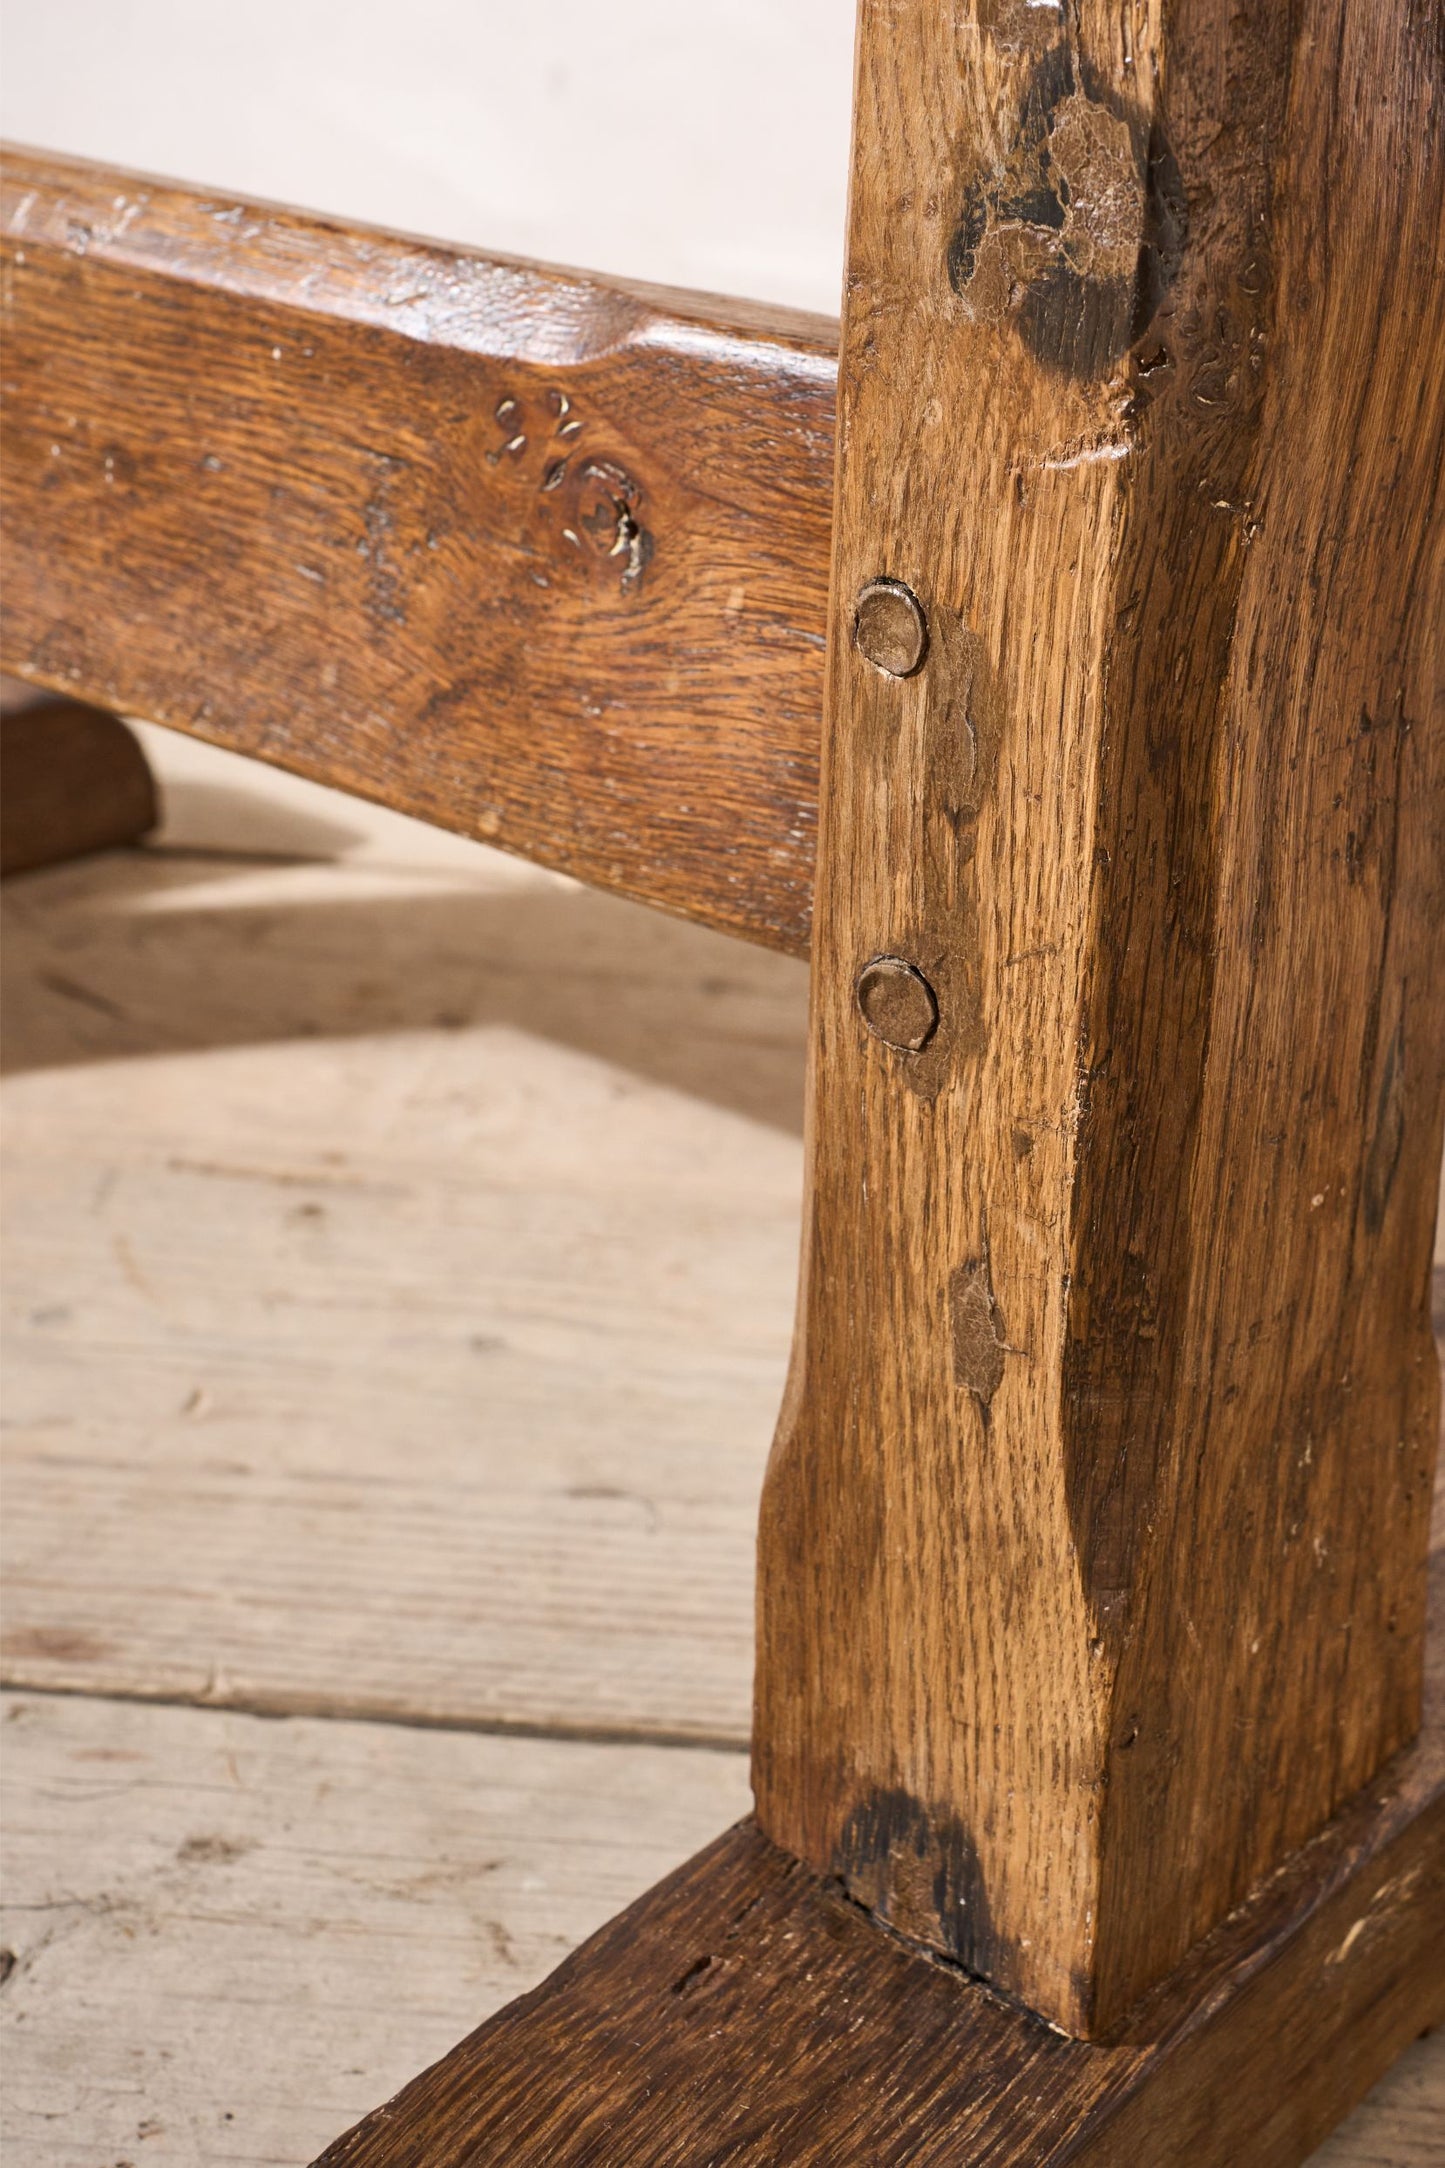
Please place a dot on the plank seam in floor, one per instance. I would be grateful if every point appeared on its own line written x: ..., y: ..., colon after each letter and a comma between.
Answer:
x: 280, y: 1708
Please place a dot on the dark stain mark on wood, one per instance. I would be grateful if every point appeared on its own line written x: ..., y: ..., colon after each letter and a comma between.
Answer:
x: 829, y: 2045
x: 918, y: 1871
x: 962, y: 732
x: 55, y: 1645
x: 963, y: 724
x: 1388, y: 1141
x: 212, y: 1851
x: 979, y: 1346
x: 1077, y: 234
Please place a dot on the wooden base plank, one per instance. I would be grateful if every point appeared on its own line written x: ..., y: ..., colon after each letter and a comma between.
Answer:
x: 72, y: 780
x: 745, y: 2012
x: 226, y: 1935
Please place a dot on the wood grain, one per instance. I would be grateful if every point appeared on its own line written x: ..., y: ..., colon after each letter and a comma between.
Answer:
x: 1093, y: 1551
x: 228, y: 1936
x: 537, y: 556
x: 746, y: 2012
x: 72, y: 780
x: 342, y: 1901
x: 398, y: 1265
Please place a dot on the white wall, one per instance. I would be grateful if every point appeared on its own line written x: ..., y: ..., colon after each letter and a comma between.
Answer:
x: 699, y: 142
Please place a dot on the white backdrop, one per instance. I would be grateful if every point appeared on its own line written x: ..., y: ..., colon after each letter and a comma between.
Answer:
x: 699, y: 142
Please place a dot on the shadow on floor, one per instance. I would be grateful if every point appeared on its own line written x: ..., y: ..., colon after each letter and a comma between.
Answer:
x: 108, y: 960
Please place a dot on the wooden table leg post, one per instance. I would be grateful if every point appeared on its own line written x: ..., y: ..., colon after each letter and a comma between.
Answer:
x: 1094, y: 1545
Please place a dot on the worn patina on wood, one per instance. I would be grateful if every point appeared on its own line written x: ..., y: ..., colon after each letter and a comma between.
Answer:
x: 1092, y: 1566
x: 746, y: 2012
x: 537, y: 556
x: 1093, y: 1550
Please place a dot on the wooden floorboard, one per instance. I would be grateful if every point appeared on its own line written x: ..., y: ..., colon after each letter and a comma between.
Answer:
x: 746, y: 2012
x: 401, y: 1249
x: 232, y: 1935
x: 399, y: 1279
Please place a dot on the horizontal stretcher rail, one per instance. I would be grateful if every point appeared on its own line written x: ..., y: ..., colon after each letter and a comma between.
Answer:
x: 534, y: 556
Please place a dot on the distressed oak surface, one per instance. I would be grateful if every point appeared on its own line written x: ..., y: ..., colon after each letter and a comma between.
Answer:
x: 327, y: 1892
x: 72, y: 780
x: 535, y: 556
x: 1092, y: 1563
x: 398, y: 1271
x: 745, y: 2012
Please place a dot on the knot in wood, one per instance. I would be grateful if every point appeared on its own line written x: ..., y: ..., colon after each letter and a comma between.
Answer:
x: 897, y: 1003
x: 889, y: 627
